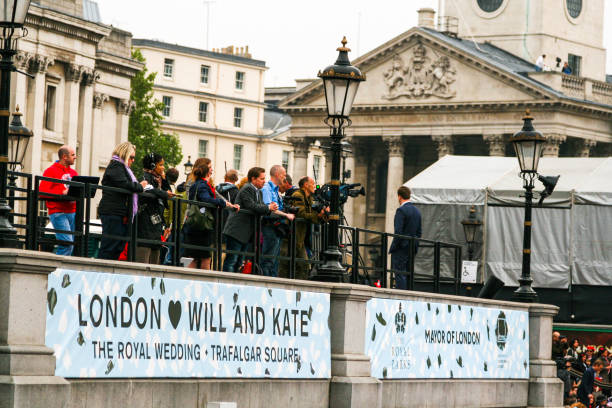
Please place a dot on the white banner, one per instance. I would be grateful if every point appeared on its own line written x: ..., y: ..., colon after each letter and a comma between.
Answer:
x: 411, y: 339
x: 108, y: 325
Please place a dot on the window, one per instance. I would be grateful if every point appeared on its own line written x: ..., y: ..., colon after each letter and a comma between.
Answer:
x: 239, y: 80
x: 285, y: 160
x: 168, y: 67
x: 204, y: 74
x: 203, y: 112
x: 237, y: 117
x: 202, y: 148
x: 43, y: 212
x: 167, y: 100
x: 489, y: 5
x: 50, y: 108
x: 316, y: 164
x: 574, y: 7
x: 575, y: 63
x: 237, y: 156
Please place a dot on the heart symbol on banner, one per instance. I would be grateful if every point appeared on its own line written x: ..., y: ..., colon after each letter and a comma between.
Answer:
x: 174, y: 312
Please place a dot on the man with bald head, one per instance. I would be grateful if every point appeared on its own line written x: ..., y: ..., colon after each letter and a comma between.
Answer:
x: 61, y: 211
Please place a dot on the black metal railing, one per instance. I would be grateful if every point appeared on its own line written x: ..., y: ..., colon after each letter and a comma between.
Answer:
x: 365, y: 252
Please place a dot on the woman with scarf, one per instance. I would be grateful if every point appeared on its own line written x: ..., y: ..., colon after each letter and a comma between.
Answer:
x: 151, y: 208
x: 117, y: 209
x: 202, y: 190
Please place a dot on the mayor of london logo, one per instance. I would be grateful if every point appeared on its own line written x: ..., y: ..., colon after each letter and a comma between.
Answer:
x: 400, y: 321
x: 501, y: 330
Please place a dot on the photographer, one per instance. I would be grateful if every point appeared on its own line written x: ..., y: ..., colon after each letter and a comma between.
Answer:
x: 303, y: 201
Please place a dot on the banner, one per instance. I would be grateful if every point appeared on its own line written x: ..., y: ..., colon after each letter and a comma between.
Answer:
x: 412, y: 339
x: 108, y: 325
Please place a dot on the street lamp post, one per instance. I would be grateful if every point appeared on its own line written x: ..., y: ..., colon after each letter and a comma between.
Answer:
x: 470, y: 226
x: 12, y: 17
x: 19, y: 138
x: 188, y: 166
x: 528, y: 144
x: 340, y: 82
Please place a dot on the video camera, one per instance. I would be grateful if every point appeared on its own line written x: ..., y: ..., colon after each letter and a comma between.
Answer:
x: 322, y: 195
x: 288, y: 204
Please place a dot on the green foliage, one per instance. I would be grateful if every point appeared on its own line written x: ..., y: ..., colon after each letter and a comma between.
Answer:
x: 145, y: 131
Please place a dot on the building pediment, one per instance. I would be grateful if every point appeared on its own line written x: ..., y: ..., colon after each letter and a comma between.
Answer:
x: 420, y: 68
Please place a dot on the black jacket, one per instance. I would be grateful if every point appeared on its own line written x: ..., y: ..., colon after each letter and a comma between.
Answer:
x: 240, y: 225
x: 151, y: 205
x: 229, y: 191
x: 114, y: 203
x: 407, y: 222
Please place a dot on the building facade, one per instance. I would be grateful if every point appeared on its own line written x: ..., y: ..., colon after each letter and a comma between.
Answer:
x: 430, y: 92
x: 214, y: 101
x: 80, y: 90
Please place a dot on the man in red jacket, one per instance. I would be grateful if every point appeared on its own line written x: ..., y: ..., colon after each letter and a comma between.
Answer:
x: 61, y: 212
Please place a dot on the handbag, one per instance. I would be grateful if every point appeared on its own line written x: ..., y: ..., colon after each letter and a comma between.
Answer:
x: 197, y: 219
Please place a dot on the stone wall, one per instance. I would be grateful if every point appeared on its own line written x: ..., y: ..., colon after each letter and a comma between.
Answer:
x: 27, y: 366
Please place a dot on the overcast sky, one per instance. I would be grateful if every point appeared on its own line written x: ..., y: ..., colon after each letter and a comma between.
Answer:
x: 295, y: 38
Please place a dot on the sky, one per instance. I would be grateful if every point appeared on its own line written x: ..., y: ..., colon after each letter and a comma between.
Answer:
x: 296, y: 39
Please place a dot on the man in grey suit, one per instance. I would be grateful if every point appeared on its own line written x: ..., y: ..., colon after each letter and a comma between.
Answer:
x: 240, y: 226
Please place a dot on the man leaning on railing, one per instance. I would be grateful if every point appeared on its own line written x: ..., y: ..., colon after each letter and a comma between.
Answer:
x: 61, y: 211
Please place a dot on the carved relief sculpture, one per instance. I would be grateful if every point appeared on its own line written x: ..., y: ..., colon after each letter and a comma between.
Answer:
x: 421, y: 77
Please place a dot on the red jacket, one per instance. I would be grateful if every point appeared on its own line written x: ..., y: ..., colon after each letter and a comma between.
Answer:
x: 57, y: 171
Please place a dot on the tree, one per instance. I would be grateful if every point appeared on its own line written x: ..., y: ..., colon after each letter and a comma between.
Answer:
x: 145, y: 131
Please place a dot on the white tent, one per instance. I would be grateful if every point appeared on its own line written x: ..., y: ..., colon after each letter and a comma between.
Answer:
x: 571, y: 234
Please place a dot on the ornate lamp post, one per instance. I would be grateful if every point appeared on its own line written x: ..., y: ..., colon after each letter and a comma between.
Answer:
x: 471, y: 225
x: 528, y: 144
x: 19, y: 138
x: 340, y: 81
x: 188, y: 166
x: 12, y: 18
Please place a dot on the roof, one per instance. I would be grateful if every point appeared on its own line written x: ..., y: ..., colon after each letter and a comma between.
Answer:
x: 197, y: 52
x: 480, y: 179
x: 276, y: 120
x: 91, y: 12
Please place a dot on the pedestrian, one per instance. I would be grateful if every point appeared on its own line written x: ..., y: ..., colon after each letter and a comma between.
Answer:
x: 203, y: 190
x: 587, y: 384
x: 151, y: 206
x: 272, y: 226
x: 407, y: 222
x: 118, y: 209
x: 61, y: 210
x: 239, y: 230
x: 228, y: 188
x: 566, y: 69
x: 541, y: 63
x: 307, y: 216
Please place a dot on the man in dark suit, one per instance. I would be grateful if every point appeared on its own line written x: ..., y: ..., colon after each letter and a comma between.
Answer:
x: 407, y: 222
x: 240, y: 226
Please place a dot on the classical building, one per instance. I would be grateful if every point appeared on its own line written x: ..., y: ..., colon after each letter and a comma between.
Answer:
x: 214, y: 101
x: 431, y: 92
x: 80, y: 86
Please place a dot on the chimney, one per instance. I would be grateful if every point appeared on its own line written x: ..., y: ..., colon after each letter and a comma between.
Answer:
x: 426, y: 18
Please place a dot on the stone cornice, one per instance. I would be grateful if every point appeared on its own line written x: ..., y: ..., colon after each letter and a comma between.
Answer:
x: 116, y: 64
x: 71, y: 26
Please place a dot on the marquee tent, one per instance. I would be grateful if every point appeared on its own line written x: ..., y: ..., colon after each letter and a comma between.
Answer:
x: 571, y: 233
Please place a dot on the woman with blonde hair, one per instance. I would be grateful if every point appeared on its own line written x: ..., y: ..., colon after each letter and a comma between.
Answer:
x: 202, y: 189
x: 117, y: 209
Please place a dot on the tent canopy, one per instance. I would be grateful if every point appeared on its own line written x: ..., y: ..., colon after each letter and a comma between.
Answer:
x: 476, y: 179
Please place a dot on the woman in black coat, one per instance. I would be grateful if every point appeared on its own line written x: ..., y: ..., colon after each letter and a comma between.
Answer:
x: 117, y: 209
x: 202, y: 190
x: 151, y: 208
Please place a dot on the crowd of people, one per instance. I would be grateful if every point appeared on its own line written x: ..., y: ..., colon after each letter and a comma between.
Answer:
x: 542, y: 65
x: 148, y: 203
x: 586, y: 372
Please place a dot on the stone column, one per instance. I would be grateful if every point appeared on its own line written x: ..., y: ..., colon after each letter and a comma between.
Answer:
x: 19, y: 83
x: 360, y: 175
x: 124, y: 109
x: 74, y: 74
x: 445, y: 144
x: 545, y: 389
x: 351, y: 384
x: 497, y: 144
x: 584, y: 147
x: 99, y: 99
x: 301, y: 148
x: 395, y: 177
x: 551, y: 146
x: 328, y: 165
x: 85, y: 119
x: 27, y: 365
x: 36, y: 110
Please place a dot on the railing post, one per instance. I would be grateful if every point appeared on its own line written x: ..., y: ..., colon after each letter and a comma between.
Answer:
x: 35, y: 214
x: 87, y: 218
x: 355, y: 256
x: 77, y: 234
x: 220, y: 212
x: 176, y: 231
x: 436, y: 270
x: 30, y: 215
x: 257, y: 246
x: 133, y: 234
x: 458, y: 258
x: 383, y: 250
x: 412, y: 256
x: 292, y: 248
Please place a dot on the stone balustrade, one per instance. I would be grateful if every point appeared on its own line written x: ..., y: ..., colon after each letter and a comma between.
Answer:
x: 576, y: 87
